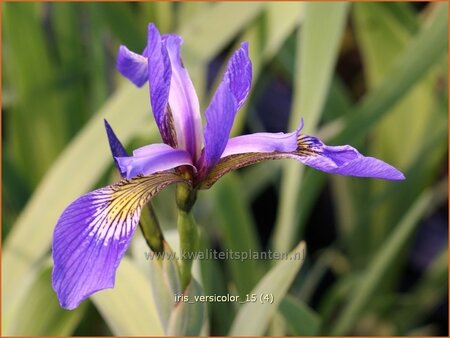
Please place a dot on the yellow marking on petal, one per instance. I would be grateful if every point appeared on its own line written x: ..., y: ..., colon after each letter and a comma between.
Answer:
x: 119, y: 205
x: 307, y: 145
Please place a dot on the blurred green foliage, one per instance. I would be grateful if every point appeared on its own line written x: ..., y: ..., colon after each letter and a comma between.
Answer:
x: 373, y: 75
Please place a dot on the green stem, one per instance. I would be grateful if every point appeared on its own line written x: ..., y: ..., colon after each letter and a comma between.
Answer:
x: 151, y: 230
x: 187, y: 230
x: 189, y: 238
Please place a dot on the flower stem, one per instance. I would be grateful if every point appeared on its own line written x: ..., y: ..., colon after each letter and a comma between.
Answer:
x: 151, y: 230
x: 187, y: 229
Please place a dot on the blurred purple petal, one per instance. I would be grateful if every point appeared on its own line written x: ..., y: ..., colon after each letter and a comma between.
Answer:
x: 117, y: 149
x: 93, y: 233
x: 153, y: 158
x: 229, y: 97
x: 133, y: 66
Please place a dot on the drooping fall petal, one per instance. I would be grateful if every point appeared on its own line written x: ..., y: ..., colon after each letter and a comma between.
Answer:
x: 343, y: 160
x: 94, y: 232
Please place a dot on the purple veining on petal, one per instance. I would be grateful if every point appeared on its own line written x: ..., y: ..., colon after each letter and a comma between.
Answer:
x: 93, y: 233
x: 153, y: 158
x: 239, y: 71
x: 159, y: 75
x: 87, y: 247
x: 133, y: 66
x: 229, y: 97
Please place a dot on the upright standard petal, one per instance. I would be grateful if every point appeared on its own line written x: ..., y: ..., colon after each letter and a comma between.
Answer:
x: 344, y: 160
x: 173, y: 97
x: 151, y: 159
x: 183, y: 101
x: 93, y: 233
x: 116, y: 147
x: 133, y: 66
x: 159, y: 75
x: 227, y: 100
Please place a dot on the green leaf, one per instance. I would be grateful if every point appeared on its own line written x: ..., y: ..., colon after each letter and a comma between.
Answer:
x: 165, y: 284
x: 40, y: 313
x: 161, y: 13
x: 382, y: 38
x: 36, y: 110
x: 301, y: 320
x: 238, y: 231
x: 427, y: 47
x: 275, y: 284
x: 425, y: 296
x: 265, y: 37
x: 384, y: 258
x: 129, y: 309
x: 317, y: 50
x: 188, y: 316
x: 119, y: 18
x: 214, y: 281
x: 214, y: 27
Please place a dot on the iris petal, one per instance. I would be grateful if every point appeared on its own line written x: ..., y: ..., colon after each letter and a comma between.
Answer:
x: 261, y: 143
x: 219, y: 119
x: 239, y: 72
x: 227, y: 100
x: 133, y: 66
x: 93, y: 233
x: 159, y: 75
x: 343, y: 160
x: 172, y: 94
x: 116, y: 147
x: 153, y: 158
x: 183, y: 101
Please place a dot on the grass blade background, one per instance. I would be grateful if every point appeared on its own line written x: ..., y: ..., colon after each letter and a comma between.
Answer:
x: 238, y: 232
x: 85, y: 160
x: 300, y: 319
x: 40, y: 312
x: 388, y: 141
x: 384, y: 257
x: 276, y: 282
x: 316, y: 55
x: 414, y: 62
x: 129, y: 308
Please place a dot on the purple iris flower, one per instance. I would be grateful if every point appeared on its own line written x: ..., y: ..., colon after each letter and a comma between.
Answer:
x: 93, y: 233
